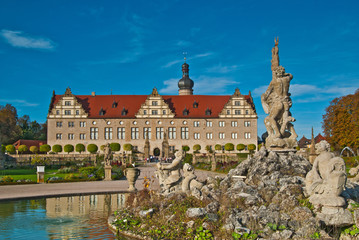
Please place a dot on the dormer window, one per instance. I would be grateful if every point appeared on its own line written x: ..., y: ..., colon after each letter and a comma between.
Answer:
x: 208, y: 112
x: 114, y: 104
x: 237, y: 103
x: 144, y: 112
x: 67, y: 103
x: 102, y: 112
x: 185, y: 112
x: 195, y: 104
x: 124, y: 112
x: 154, y: 103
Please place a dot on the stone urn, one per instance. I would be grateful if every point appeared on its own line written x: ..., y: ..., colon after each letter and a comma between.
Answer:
x: 132, y: 175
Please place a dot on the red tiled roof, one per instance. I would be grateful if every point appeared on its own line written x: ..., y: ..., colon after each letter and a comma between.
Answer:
x: 28, y: 143
x: 319, y: 138
x: 132, y: 103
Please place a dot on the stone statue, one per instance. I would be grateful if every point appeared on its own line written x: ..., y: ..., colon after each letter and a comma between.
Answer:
x: 189, y: 182
x: 107, y: 155
x: 276, y: 102
x: 327, y: 179
x: 169, y: 176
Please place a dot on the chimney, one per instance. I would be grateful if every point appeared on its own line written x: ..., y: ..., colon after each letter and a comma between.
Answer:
x: 93, y: 94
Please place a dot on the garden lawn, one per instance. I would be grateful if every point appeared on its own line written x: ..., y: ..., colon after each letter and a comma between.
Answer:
x: 18, y: 174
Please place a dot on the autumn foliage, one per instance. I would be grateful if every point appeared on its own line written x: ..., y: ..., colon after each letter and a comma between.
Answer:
x: 341, y: 122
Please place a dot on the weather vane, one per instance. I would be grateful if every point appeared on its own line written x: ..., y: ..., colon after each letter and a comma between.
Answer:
x: 185, y: 56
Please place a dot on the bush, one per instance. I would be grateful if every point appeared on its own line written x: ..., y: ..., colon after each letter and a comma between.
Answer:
x: 80, y: 148
x: 115, y: 147
x: 57, y: 148
x: 229, y: 147
x: 241, y: 147
x: 6, y: 179
x: 242, y: 155
x: 68, y: 148
x: 34, y: 149
x: 251, y: 148
x: 209, y: 148
x: 3, y: 148
x: 45, y: 148
x: 39, y: 161
x: 196, y: 147
x: 117, y: 173
x: 185, y: 148
x: 127, y: 147
x: 23, y: 148
x: 102, y: 147
x: 10, y: 148
x: 92, y: 172
x: 188, y: 159
x: 92, y: 148
x: 218, y: 147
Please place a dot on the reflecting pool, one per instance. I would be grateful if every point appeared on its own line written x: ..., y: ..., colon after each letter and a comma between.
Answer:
x: 73, y: 217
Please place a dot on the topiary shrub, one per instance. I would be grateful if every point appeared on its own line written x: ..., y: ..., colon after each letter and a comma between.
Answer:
x: 45, y: 148
x: 251, y: 148
x: 127, y: 147
x: 115, y: 147
x: 34, y: 149
x: 185, y: 148
x: 57, y: 148
x: 10, y: 148
x: 22, y: 148
x: 218, y: 147
x: 92, y: 148
x: 80, y: 148
x: 229, y: 147
x: 68, y: 148
x: 196, y: 147
x: 241, y: 147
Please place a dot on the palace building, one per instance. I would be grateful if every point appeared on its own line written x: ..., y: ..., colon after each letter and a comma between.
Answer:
x: 153, y: 122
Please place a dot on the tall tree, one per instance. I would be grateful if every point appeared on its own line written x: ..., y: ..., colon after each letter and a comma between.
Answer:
x: 341, y: 122
x: 9, y: 130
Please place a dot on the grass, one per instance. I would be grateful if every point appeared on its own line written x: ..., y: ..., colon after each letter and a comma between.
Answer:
x: 18, y: 174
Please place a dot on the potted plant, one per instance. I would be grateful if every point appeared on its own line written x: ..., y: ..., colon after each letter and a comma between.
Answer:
x: 131, y: 173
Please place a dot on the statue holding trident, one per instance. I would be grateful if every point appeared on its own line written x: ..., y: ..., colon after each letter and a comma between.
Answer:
x: 276, y: 102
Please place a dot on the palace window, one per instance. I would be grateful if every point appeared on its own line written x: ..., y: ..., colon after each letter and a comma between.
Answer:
x: 108, y: 133
x: 67, y: 112
x: 71, y: 136
x: 234, y: 124
x: 94, y: 133
x: 82, y: 124
x: 237, y: 103
x: 121, y: 133
x: 197, y: 136
x: 208, y: 112
x: 247, y: 111
x: 247, y: 123
x: 77, y: 112
x: 172, y: 133
x: 221, y: 123
x: 147, y: 131
x: 67, y: 103
x: 154, y: 103
x: 71, y: 124
x: 184, y: 132
x: 58, y: 124
x: 228, y: 112
x: 209, y: 124
x: 134, y: 133
x: 57, y: 112
x: 209, y: 135
x: 159, y: 133
x: 247, y: 135
x: 196, y: 123
x: 144, y: 112
x: 154, y: 112
x: 58, y: 136
x: 82, y: 136
x: 234, y: 135
x: 237, y: 112
x: 171, y: 148
x: 164, y: 112
x: 222, y: 136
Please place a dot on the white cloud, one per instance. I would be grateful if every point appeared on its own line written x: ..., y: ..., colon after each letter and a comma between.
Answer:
x: 183, y: 43
x: 18, y: 102
x: 222, y: 69
x: 21, y: 40
x: 202, y: 85
x: 201, y: 55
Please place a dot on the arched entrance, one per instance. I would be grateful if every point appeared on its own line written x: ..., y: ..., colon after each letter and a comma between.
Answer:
x: 156, y: 152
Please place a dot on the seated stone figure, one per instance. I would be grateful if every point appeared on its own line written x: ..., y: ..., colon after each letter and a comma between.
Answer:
x: 169, y: 176
x: 190, y: 179
x: 327, y: 179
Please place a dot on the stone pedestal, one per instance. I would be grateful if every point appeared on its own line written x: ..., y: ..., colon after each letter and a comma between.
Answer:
x: 213, y: 164
x: 40, y: 174
x: 108, y: 172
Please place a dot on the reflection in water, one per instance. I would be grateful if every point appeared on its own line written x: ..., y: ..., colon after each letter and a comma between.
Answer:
x: 74, y: 217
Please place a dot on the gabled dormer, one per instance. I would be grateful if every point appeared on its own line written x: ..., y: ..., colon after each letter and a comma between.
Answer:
x: 66, y: 106
x: 238, y: 106
x: 154, y: 107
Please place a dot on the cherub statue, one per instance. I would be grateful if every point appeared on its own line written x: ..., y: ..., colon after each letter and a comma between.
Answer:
x: 107, y: 154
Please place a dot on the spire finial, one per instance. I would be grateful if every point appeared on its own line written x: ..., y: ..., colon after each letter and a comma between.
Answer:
x: 184, y: 56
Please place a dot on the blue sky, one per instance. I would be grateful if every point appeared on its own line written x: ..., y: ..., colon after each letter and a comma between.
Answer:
x: 130, y: 47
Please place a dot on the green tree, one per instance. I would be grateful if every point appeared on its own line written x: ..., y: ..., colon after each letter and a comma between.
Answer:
x: 45, y: 148
x: 185, y: 148
x: 92, y: 148
x: 57, y: 148
x: 102, y: 147
x: 68, y: 148
x: 196, y: 147
x: 9, y: 130
x: 229, y: 147
x: 340, y: 122
x: 22, y: 148
x: 251, y: 148
x: 240, y: 147
x: 209, y: 148
x: 115, y: 147
x: 80, y: 148
x: 218, y: 147
x: 127, y: 147
x: 10, y: 148
x: 3, y: 148
x: 34, y: 149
